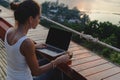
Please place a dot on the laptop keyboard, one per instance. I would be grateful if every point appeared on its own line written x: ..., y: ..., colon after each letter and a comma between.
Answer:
x: 53, y: 49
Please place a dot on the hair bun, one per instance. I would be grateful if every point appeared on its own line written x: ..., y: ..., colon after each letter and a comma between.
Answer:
x: 14, y: 5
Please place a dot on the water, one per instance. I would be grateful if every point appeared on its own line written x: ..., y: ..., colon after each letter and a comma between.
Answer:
x: 103, y: 17
x: 101, y: 10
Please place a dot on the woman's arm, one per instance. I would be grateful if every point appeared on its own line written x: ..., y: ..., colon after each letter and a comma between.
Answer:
x: 39, y: 46
x: 28, y: 50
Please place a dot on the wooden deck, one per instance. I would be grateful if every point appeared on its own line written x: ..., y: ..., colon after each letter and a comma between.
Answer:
x: 85, y: 62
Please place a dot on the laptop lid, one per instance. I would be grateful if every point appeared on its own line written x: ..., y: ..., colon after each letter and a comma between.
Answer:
x: 59, y: 38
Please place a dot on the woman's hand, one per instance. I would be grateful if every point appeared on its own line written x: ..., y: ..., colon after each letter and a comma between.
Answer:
x: 40, y: 46
x: 62, y: 59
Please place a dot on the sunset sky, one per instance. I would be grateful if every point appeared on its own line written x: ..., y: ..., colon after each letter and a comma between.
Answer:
x: 92, y: 5
x: 97, y: 9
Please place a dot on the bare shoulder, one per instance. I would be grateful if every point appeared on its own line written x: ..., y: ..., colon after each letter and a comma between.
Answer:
x: 27, y: 47
x: 28, y: 43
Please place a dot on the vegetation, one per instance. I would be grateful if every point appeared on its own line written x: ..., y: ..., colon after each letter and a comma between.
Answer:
x: 4, y: 3
x: 104, y: 31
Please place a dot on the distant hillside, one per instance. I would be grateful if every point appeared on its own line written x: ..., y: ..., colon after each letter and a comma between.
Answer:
x: 4, y: 3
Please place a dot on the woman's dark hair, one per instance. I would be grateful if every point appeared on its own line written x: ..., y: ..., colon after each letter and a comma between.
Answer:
x: 26, y: 9
x: 14, y: 5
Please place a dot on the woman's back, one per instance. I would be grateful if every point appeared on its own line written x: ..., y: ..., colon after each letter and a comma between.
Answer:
x: 17, y: 68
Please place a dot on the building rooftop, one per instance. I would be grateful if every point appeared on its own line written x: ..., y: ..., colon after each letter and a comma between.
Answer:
x: 85, y: 62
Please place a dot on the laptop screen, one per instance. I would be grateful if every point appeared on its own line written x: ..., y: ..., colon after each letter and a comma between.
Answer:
x: 59, y: 38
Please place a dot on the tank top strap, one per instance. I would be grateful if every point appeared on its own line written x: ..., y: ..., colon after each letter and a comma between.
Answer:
x: 7, y: 33
x: 20, y: 41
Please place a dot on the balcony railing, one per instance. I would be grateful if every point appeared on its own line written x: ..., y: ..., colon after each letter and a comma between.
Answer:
x: 82, y: 35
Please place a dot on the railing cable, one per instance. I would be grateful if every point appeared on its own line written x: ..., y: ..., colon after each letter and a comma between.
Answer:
x: 85, y: 36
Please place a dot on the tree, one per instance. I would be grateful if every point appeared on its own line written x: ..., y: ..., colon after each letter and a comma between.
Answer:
x: 45, y: 7
x: 92, y: 28
x: 16, y: 0
x: 106, y: 29
x: 4, y: 3
x: 84, y: 19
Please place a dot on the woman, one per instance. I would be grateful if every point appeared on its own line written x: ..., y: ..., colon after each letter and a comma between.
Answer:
x: 22, y: 63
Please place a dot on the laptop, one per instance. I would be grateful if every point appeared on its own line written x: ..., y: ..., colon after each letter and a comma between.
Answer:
x: 57, y: 42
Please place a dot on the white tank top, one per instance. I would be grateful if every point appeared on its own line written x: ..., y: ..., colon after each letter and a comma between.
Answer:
x: 17, y: 68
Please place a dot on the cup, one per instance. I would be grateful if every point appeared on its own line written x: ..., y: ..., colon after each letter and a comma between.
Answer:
x: 70, y: 56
